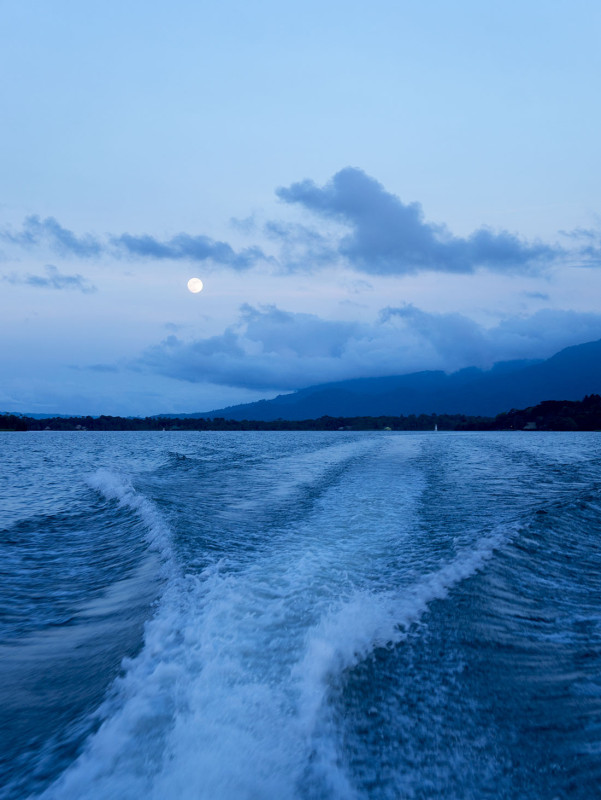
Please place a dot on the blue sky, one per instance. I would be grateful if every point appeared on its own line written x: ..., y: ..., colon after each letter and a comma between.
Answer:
x: 363, y: 189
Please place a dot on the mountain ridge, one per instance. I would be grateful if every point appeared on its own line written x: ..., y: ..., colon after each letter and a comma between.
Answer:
x: 569, y: 374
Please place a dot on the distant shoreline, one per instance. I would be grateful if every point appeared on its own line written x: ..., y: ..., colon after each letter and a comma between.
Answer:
x: 557, y: 415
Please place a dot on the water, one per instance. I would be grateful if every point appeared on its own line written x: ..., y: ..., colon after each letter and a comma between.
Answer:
x: 300, y: 615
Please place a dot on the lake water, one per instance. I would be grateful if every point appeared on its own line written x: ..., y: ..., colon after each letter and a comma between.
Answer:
x: 300, y: 615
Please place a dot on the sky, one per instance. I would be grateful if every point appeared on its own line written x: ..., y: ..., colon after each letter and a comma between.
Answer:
x: 364, y: 190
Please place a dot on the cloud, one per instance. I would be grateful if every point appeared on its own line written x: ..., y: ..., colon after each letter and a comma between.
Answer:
x: 301, y: 247
x: 590, y: 244
x: 36, y: 231
x: 188, y: 248
x: 459, y: 341
x: 266, y: 349
x: 108, y: 368
x: 390, y: 237
x: 536, y: 295
x: 245, y: 225
x: 271, y: 349
x: 53, y: 280
x: 357, y: 223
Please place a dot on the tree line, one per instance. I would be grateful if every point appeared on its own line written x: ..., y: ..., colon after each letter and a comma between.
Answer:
x: 558, y: 415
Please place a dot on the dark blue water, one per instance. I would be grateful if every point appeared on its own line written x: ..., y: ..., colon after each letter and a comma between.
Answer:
x: 300, y: 615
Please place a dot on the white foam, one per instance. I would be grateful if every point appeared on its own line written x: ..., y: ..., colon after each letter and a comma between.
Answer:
x: 118, y: 487
x: 349, y: 632
x: 217, y: 705
x: 228, y: 697
x: 297, y: 472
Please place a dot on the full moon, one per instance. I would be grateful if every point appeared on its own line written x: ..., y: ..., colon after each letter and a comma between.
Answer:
x: 195, y: 285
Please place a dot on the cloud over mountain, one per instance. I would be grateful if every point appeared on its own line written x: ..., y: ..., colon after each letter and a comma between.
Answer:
x: 271, y: 349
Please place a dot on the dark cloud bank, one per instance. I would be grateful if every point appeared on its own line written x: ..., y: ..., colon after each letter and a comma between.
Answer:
x: 271, y: 349
x: 376, y: 233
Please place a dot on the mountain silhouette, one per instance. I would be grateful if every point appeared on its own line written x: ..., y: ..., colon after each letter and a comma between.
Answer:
x: 568, y: 375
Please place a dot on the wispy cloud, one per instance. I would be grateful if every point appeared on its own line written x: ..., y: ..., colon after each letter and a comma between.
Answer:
x: 271, y: 349
x: 589, y: 244
x: 53, y: 279
x: 301, y: 248
x: 102, y: 368
x: 36, y: 232
x: 389, y: 237
x: 188, y: 248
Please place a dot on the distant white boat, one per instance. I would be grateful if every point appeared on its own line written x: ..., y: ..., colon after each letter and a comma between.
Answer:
x: 435, y: 427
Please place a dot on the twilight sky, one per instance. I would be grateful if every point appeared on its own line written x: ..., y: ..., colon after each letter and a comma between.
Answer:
x: 364, y: 189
